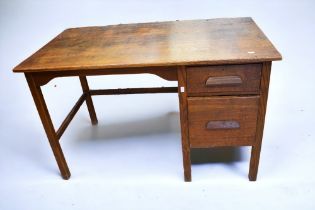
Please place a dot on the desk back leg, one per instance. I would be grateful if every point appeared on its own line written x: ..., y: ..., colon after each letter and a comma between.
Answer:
x: 48, y: 126
x: 89, y: 102
x: 183, y: 108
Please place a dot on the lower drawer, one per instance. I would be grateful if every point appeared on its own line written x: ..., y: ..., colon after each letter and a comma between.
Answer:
x: 222, y: 121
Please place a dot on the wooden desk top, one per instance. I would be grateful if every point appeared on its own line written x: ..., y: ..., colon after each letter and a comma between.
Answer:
x: 191, y: 42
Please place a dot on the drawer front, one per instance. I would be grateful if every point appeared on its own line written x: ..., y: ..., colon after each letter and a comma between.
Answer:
x: 222, y: 121
x: 224, y: 79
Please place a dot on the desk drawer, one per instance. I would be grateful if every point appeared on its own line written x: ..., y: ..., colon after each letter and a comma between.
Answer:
x: 224, y: 79
x: 222, y: 121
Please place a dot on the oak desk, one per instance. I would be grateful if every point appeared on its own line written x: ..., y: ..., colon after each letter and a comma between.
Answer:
x: 222, y: 67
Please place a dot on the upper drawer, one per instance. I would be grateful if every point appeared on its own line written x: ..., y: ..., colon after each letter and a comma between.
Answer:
x: 224, y: 79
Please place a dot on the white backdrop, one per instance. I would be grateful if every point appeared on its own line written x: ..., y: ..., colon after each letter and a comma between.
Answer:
x: 132, y: 159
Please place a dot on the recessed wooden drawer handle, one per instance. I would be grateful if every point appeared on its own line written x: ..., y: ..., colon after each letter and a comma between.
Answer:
x: 225, y: 80
x: 223, y: 124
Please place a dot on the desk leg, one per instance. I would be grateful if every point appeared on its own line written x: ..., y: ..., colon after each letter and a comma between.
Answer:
x: 183, y: 108
x: 48, y: 126
x: 89, y: 102
x: 255, y: 153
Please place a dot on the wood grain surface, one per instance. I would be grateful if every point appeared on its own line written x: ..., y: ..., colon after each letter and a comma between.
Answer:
x: 190, y: 42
